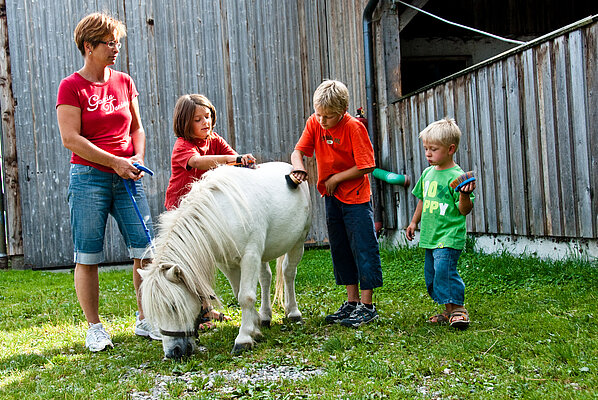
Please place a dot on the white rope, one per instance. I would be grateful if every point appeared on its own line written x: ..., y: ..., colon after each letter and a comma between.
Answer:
x: 461, y: 26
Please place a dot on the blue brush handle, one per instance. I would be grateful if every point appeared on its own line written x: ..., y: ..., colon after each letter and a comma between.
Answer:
x: 143, y: 168
x: 465, y: 182
x: 132, y: 191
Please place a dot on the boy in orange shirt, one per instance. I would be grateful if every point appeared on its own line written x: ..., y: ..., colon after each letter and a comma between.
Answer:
x: 344, y: 156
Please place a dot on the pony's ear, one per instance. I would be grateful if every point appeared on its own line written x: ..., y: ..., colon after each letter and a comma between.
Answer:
x: 173, y: 274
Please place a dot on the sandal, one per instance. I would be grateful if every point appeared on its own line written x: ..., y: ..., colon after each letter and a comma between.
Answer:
x: 459, y: 318
x: 208, y: 316
x: 439, y: 319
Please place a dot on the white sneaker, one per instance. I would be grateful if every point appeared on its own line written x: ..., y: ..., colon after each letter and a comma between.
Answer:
x: 145, y: 329
x: 97, y: 338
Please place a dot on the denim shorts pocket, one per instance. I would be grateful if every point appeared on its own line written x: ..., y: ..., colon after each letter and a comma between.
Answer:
x: 82, y: 173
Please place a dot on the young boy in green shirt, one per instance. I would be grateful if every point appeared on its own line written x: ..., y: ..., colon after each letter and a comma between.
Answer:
x: 441, y: 211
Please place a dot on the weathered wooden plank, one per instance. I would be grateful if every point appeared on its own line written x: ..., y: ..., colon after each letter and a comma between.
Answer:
x: 565, y: 155
x: 581, y: 132
x: 404, y: 163
x: 591, y: 73
x: 517, y: 182
x: 548, y: 139
x: 10, y: 170
x: 484, y: 118
x: 533, y: 162
x: 439, y: 104
x: 472, y: 123
x: 466, y: 155
x: 500, y: 146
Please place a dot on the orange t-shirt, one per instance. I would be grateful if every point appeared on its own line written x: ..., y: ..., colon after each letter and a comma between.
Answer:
x: 338, y: 149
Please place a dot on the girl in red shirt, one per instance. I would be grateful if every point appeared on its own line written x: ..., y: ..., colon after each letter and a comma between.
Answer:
x: 197, y: 148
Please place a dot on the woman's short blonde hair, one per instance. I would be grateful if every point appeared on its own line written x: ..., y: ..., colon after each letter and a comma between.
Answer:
x: 332, y: 96
x: 444, y: 132
x: 95, y: 27
x: 184, y: 112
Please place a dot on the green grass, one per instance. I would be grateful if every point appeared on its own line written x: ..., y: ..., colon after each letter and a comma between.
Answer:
x: 534, y: 335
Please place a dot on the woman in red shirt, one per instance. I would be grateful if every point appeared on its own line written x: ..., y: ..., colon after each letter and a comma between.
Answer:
x: 99, y: 121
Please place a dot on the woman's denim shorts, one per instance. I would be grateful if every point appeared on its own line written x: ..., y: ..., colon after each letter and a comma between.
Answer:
x: 92, y: 195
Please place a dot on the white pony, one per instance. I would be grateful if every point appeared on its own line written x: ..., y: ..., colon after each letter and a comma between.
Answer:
x: 236, y: 220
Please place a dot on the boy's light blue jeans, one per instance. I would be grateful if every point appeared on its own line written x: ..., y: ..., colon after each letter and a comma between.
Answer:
x: 443, y: 281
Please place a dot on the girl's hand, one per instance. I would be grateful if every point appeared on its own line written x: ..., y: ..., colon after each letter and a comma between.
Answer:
x: 247, y: 160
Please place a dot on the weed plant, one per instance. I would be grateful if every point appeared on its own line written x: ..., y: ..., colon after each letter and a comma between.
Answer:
x: 533, y: 335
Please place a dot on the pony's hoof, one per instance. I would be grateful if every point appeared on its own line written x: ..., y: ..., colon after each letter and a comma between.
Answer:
x: 239, y: 348
x: 265, y: 323
x: 295, y: 320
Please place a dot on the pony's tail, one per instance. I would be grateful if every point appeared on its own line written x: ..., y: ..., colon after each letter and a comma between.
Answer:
x: 279, y: 287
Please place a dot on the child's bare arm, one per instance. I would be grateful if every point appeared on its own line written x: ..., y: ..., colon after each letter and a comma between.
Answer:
x: 352, y: 173
x: 465, y: 203
x: 299, y: 170
x: 417, y: 216
x: 208, y: 162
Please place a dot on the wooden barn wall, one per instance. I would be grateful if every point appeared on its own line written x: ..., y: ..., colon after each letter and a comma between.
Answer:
x: 259, y: 62
x: 529, y: 121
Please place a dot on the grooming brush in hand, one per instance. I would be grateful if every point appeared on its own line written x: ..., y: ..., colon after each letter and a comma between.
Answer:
x: 239, y: 163
x: 292, y: 181
x: 462, y: 180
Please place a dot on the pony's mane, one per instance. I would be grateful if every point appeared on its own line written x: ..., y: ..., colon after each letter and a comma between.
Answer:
x: 194, y: 237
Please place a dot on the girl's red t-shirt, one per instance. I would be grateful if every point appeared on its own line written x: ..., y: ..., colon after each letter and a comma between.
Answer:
x: 105, y: 112
x: 182, y: 176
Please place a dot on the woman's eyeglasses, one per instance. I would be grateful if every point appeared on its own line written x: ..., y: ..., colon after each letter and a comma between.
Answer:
x: 113, y: 44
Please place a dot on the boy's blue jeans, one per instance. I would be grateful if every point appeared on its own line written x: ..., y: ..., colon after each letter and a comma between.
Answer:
x: 442, y: 279
x: 92, y: 195
x: 353, y: 244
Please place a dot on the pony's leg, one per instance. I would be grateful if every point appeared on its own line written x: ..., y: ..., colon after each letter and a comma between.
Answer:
x: 250, y: 269
x: 289, y: 271
x: 234, y: 277
x: 265, y: 282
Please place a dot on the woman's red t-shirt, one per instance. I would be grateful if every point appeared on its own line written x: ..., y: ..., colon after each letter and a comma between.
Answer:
x: 105, y: 112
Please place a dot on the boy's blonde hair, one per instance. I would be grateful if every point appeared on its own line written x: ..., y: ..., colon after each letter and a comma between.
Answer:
x: 95, y: 27
x: 184, y: 112
x: 332, y: 96
x: 444, y: 132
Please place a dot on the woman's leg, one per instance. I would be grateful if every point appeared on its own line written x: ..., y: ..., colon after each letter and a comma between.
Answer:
x: 88, y: 291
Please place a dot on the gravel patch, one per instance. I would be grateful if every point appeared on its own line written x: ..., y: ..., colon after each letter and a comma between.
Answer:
x: 244, y: 376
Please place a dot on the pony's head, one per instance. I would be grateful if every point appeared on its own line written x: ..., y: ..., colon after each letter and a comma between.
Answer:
x: 171, y: 305
x: 193, y: 238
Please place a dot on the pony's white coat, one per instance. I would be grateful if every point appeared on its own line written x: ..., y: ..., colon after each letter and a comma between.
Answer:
x: 234, y: 219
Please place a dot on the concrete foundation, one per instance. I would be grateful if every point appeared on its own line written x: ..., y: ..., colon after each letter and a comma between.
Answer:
x: 541, y: 247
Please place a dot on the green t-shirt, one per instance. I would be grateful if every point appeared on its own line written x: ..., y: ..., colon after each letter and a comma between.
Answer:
x: 441, y: 225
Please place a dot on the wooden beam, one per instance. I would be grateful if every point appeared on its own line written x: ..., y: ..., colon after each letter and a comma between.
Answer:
x: 9, y: 145
x: 407, y: 15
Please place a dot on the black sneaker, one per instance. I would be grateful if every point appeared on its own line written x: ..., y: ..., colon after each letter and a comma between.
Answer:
x: 343, y: 312
x: 361, y: 315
